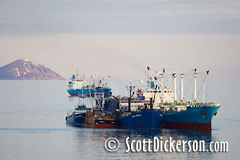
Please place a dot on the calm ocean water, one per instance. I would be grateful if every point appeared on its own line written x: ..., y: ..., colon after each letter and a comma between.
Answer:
x: 32, y: 125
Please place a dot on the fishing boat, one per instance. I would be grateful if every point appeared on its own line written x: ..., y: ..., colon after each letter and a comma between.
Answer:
x: 98, y: 119
x: 180, y: 114
x: 78, y: 86
x: 103, y: 114
x: 78, y: 116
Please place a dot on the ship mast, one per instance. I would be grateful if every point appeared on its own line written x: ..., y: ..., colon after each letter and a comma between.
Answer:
x: 131, y: 93
x: 181, y: 92
x: 175, y: 87
x: 203, y: 90
x: 162, y: 85
x: 152, y: 101
x: 195, y: 87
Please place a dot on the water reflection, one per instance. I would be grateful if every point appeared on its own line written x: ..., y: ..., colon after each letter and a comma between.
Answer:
x: 89, y: 143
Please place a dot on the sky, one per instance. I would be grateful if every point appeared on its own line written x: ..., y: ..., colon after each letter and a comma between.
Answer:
x: 114, y: 16
x: 121, y: 38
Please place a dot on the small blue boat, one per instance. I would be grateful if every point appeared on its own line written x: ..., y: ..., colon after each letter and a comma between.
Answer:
x: 78, y: 116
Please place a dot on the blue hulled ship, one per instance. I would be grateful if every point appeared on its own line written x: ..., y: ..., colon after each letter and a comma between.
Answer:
x: 138, y: 113
x: 142, y: 119
x: 80, y: 87
x: 198, y: 117
x: 78, y: 116
x: 180, y: 114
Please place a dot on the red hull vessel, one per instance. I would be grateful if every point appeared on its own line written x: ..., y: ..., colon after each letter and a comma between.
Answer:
x: 190, y: 126
x: 99, y: 125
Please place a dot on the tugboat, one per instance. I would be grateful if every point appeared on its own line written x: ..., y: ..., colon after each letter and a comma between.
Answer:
x: 78, y: 116
x: 146, y: 116
x: 78, y: 86
x: 179, y: 114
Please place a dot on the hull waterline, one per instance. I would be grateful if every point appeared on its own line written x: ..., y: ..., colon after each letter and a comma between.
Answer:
x: 194, y: 118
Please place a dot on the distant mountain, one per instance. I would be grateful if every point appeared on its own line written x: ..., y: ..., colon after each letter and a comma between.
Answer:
x: 27, y: 70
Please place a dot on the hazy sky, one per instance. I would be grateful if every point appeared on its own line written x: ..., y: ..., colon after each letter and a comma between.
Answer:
x: 119, y: 16
x: 119, y: 38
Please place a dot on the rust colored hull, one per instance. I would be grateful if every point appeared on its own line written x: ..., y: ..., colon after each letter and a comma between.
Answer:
x: 99, y: 125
